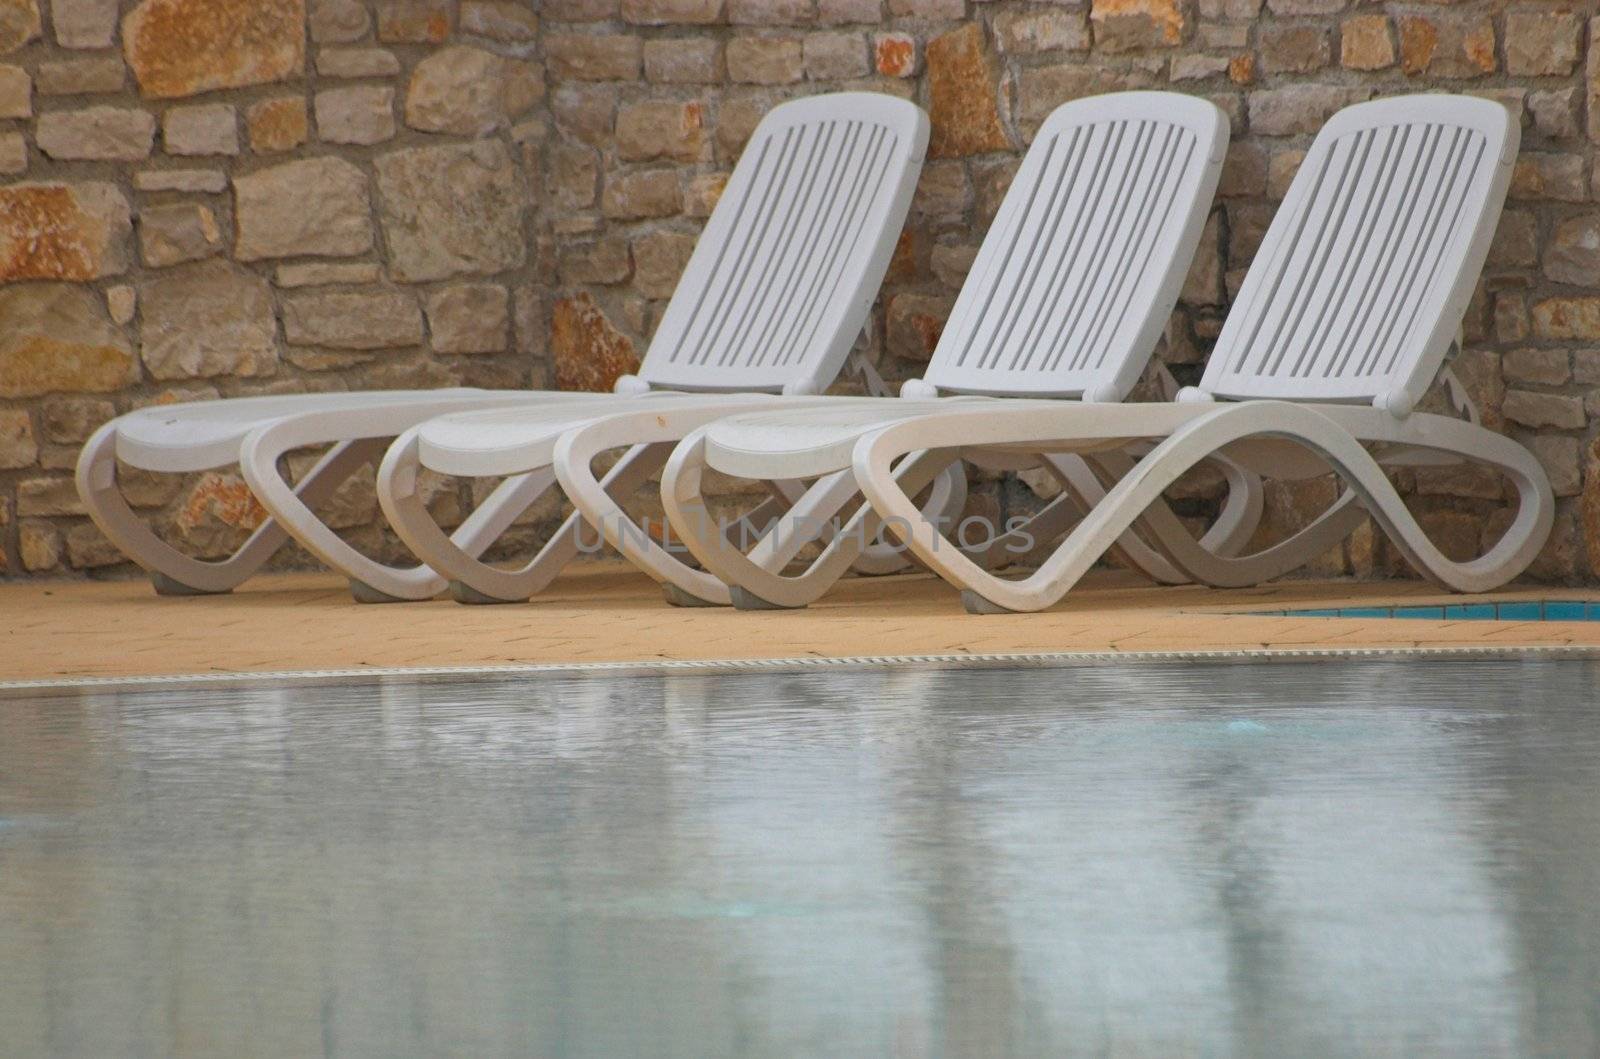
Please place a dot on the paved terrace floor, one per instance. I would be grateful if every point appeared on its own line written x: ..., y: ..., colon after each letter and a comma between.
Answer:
x: 608, y: 613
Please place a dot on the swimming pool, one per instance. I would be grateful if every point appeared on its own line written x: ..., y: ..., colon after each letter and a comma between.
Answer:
x: 1333, y: 858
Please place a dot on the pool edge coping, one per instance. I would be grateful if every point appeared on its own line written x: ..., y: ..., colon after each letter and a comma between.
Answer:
x: 12, y: 689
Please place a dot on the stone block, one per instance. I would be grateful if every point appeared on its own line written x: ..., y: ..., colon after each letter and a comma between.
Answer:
x: 603, y: 261
x: 636, y: 196
x: 451, y: 211
x: 339, y: 21
x: 506, y: 21
x: 659, y: 260
x: 914, y: 323
x: 39, y: 546
x: 84, y: 23
x: 122, y: 302
x: 470, y: 318
x: 81, y: 77
x: 19, y: 24
x: 171, y: 235
x: 1537, y: 410
x: 1366, y: 42
x: 357, y: 62
x: 327, y: 273
x: 72, y: 419
x: 18, y: 447
x: 655, y: 130
x: 185, y: 47
x: 1563, y: 319
x: 574, y: 175
x: 278, y: 124
x: 1573, y: 252
x: 1293, y: 49
x: 962, y: 102
x: 1447, y: 47
x: 1542, y: 43
x: 205, y: 320
x: 13, y: 153
x: 414, y: 21
x: 1032, y: 30
x: 841, y: 12
x: 318, y: 207
x: 1131, y: 25
x: 201, y: 181
x: 683, y: 61
x: 1298, y: 110
x: 771, y: 12
x: 57, y: 339
x: 357, y: 320
x: 1542, y: 367
x: 470, y: 92
x: 672, y: 12
x: 96, y: 134
x: 835, y: 56
x: 895, y: 54
x: 592, y: 57
x: 63, y: 232
x: 1542, y: 175
x: 16, y: 93
x: 587, y: 351
x: 210, y: 128
x: 765, y: 60
x: 359, y: 114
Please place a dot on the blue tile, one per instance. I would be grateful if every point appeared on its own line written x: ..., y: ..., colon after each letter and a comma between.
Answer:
x: 1536, y: 610
x: 1563, y: 610
x: 1520, y: 611
x: 1419, y: 612
x: 1471, y: 611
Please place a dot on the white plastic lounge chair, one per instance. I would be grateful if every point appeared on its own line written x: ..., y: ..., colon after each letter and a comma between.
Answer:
x: 773, y: 297
x: 1341, y: 326
x: 1067, y: 298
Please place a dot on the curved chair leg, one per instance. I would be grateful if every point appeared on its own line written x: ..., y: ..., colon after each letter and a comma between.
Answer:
x: 172, y: 572
x: 946, y: 500
x: 1175, y: 558
x: 755, y: 578
x: 370, y: 580
x: 1341, y: 519
x: 1082, y: 488
x: 1213, y: 560
x: 1127, y: 501
x: 574, y: 454
x: 456, y: 556
x: 1078, y: 478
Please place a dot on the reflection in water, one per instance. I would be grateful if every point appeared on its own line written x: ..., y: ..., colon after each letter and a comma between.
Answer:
x: 1314, y: 859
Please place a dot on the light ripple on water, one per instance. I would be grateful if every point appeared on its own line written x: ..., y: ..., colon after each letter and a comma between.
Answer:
x: 1321, y: 859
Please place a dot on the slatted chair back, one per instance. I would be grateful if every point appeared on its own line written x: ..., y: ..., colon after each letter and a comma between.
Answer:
x: 781, y: 280
x: 1082, y: 267
x: 1359, y: 288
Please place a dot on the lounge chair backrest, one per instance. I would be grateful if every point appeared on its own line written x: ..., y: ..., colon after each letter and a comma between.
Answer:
x: 1359, y: 287
x: 1084, y: 261
x: 780, y: 283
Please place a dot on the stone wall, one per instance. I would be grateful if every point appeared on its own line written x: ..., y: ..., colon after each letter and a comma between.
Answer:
x: 207, y: 197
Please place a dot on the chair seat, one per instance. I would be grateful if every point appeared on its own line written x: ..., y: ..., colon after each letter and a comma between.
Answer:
x: 811, y: 441
x: 512, y: 440
x: 205, y: 434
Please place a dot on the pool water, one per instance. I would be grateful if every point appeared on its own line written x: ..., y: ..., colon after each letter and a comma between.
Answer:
x: 1293, y: 859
